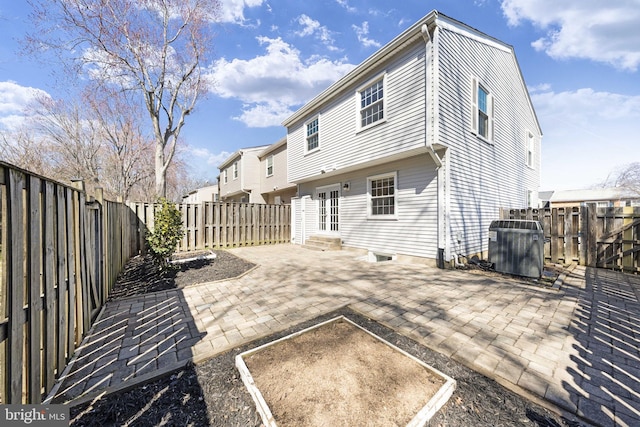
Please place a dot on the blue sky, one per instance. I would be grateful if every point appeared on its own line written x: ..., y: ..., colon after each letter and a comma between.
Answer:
x: 579, y: 58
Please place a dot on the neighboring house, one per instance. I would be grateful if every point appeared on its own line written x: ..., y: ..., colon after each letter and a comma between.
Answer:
x: 240, y: 176
x: 413, y: 152
x: 274, y: 186
x: 602, y: 197
x: 204, y: 194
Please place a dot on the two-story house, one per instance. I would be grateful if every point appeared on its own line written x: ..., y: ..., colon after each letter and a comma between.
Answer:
x: 239, y: 179
x: 274, y: 185
x: 414, y: 151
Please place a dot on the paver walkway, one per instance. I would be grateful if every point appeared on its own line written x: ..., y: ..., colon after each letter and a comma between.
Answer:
x: 578, y: 348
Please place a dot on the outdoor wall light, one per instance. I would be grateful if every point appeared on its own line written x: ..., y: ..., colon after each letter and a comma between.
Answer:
x: 346, y: 186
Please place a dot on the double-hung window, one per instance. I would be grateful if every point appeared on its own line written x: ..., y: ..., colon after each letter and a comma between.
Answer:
x: 371, y: 104
x: 235, y: 170
x: 481, y: 110
x: 382, y: 196
x: 530, y: 149
x: 269, y: 165
x: 226, y: 175
x: 313, y: 133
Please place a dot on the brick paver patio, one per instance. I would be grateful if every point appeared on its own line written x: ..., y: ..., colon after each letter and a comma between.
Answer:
x: 576, y: 348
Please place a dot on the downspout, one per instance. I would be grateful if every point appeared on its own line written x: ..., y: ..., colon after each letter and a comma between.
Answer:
x: 427, y: 40
x: 428, y: 141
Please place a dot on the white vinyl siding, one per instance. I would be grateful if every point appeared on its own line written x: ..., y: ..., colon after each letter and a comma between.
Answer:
x: 341, y: 142
x: 482, y: 177
x: 415, y: 230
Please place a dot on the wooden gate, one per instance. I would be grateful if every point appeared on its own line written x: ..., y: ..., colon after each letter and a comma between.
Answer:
x: 596, y: 237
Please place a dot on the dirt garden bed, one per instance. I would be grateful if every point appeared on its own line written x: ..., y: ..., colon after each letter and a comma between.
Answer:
x: 338, y: 374
x: 212, y: 393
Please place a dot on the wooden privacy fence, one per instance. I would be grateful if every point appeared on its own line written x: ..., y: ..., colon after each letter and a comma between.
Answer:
x: 60, y: 253
x: 591, y: 236
x: 212, y: 225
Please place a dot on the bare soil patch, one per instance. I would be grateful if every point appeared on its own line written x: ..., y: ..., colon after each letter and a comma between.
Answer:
x: 339, y: 375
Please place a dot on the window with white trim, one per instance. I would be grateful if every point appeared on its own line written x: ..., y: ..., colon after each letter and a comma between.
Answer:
x: 530, y: 149
x: 235, y: 170
x: 371, y: 104
x: 382, y: 196
x: 313, y: 135
x: 270, y: 165
x: 226, y: 175
x: 482, y: 111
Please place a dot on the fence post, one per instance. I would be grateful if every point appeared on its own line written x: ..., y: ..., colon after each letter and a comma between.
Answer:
x: 591, y: 235
x: 583, y: 235
x: 627, y: 239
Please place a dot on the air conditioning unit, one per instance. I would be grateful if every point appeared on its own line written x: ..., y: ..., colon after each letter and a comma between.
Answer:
x: 517, y: 247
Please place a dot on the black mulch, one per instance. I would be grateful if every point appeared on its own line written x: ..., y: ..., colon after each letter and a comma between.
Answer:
x: 212, y: 393
x: 141, y: 276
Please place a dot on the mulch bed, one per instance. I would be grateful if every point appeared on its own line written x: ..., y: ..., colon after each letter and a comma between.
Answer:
x: 142, y: 276
x: 212, y: 393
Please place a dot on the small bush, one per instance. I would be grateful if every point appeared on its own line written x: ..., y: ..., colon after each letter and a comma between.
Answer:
x: 167, y: 231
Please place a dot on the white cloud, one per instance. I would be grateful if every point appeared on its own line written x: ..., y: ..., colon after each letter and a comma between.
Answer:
x: 362, y: 33
x: 233, y: 10
x: 264, y: 114
x: 271, y: 85
x: 346, y: 6
x: 588, y: 29
x: 15, y: 102
x: 212, y: 159
x: 587, y: 135
x: 311, y: 27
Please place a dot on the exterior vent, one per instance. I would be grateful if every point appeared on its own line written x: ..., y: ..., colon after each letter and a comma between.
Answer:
x: 517, y: 247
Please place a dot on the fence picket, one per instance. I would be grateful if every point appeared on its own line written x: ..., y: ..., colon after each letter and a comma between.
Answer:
x: 596, y: 237
x: 34, y: 251
x: 15, y: 273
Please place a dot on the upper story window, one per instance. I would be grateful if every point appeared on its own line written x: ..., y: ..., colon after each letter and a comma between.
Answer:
x: 235, y: 170
x: 371, y: 107
x: 530, y: 149
x: 313, y: 132
x: 481, y: 110
x: 382, y: 196
x: 226, y: 175
x: 270, y: 165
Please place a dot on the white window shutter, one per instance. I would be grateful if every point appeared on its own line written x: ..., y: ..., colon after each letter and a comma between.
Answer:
x: 474, y: 105
x: 491, y: 116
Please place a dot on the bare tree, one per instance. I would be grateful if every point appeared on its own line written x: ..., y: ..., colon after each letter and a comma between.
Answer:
x: 74, y: 142
x: 127, y: 161
x: 157, y: 48
x: 21, y: 148
x: 628, y: 178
